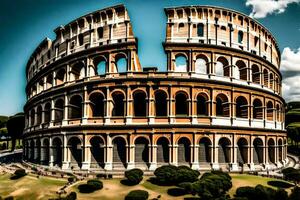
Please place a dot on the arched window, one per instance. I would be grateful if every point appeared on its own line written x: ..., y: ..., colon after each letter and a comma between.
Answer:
x: 161, y: 105
x: 222, y: 105
x: 257, y: 109
x: 100, y: 32
x: 222, y: 67
x: 80, y: 39
x: 180, y: 64
x: 75, y: 107
x: 47, y: 113
x: 140, y: 104
x: 100, y: 65
x: 270, y: 111
x: 118, y: 104
x: 180, y: 26
x: 255, y: 74
x: 181, y: 104
x: 266, y: 77
x: 60, y: 76
x: 121, y: 63
x: 200, y: 30
x: 49, y: 81
x: 97, y: 104
x: 202, y: 106
x: 240, y: 37
x: 77, y: 71
x: 241, y: 70
x: 39, y: 115
x: 241, y: 109
x: 271, y: 81
x: 32, y: 117
x: 59, y: 110
x: 201, y: 65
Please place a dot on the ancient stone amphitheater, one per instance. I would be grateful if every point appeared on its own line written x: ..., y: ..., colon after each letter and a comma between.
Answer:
x: 92, y: 106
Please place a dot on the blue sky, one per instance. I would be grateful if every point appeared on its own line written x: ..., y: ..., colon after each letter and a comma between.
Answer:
x: 25, y: 23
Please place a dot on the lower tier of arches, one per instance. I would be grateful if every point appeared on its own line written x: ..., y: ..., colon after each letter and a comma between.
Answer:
x: 119, y: 151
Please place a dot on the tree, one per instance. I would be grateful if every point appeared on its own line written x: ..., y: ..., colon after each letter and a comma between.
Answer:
x: 134, y: 176
x: 15, y: 126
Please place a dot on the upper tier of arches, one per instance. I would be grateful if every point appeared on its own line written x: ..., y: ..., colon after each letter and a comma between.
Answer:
x: 223, y: 27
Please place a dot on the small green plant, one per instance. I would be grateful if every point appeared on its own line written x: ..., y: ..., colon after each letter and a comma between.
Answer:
x: 137, y: 195
x: 18, y: 174
x: 90, y: 186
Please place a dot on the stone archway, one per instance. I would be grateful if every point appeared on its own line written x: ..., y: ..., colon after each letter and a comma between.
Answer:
x: 141, y: 152
x: 163, y: 151
x: 184, y: 151
x: 97, y: 152
x: 74, y: 145
x: 119, y: 153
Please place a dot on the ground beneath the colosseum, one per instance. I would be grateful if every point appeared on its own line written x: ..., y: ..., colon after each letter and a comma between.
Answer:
x: 31, y: 187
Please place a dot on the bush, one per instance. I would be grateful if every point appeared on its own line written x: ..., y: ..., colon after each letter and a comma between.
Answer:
x: 90, y: 186
x: 71, y: 179
x: 18, y: 174
x: 166, y: 175
x: 134, y: 176
x: 71, y: 196
x: 137, y: 195
x: 186, y: 174
x: 295, y: 195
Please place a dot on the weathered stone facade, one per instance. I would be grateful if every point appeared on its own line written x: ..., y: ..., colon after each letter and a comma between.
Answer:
x: 91, y: 106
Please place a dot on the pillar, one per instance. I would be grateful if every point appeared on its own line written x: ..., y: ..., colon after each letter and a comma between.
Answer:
x: 109, y: 154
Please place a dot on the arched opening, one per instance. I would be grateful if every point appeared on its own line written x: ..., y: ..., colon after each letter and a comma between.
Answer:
x: 224, y: 150
x: 80, y: 39
x: 32, y: 117
x: 118, y: 104
x: 201, y: 65
x: 74, y: 145
x: 77, y: 71
x: 141, y: 152
x: 241, y: 70
x: 241, y: 109
x: 97, y: 105
x: 257, y: 109
x: 272, y: 81
x: 270, y: 110
x: 258, y: 151
x: 41, y: 86
x: 75, y: 107
x: 33, y: 90
x: 47, y: 113
x: 140, y: 104
x: 60, y: 76
x: 59, y: 110
x: 161, y: 104
x: 266, y: 78
x: 222, y: 105
x: 97, y: 152
x: 240, y: 37
x: 202, y: 105
x: 45, y: 152
x: 200, y: 30
x: 57, y: 152
x: 100, y: 32
x: 31, y: 154
x: 242, y: 154
x: 162, y: 150
x: 100, y: 65
x: 280, y: 149
x: 184, y: 151
x: 37, y: 153
x: 255, y: 74
x: 49, y: 81
x: 271, y: 150
x: 204, y: 150
x: 181, y: 64
x: 121, y: 63
x: 119, y: 152
x: 181, y: 104
x: 222, y: 67
x: 39, y: 113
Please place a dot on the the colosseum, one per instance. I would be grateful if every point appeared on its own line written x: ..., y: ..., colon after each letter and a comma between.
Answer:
x: 92, y: 106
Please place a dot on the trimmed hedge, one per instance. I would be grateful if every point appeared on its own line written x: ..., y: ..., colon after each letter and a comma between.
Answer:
x: 90, y: 186
x: 137, y: 195
x: 18, y: 174
x: 134, y: 176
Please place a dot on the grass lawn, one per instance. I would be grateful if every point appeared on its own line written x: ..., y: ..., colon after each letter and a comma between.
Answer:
x: 30, y: 187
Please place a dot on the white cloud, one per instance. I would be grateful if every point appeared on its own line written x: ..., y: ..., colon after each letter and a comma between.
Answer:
x: 261, y: 8
x: 291, y: 88
x: 290, y: 60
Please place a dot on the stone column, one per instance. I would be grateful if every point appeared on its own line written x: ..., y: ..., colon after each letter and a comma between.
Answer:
x: 51, y: 156
x: 151, y: 105
x: 85, y: 106
x: 130, y: 158
x: 86, y: 154
x: 195, y: 161
x: 66, y: 110
x: 52, y: 113
x: 215, y: 161
x: 129, y: 106
x: 107, y: 102
x: 251, y: 152
x: 66, y: 154
x: 109, y: 154
x: 153, y: 162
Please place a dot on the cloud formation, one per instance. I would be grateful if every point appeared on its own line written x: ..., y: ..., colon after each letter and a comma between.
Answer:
x: 291, y: 88
x: 290, y: 60
x: 261, y: 8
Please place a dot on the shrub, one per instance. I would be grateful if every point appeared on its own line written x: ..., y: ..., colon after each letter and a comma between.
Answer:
x: 137, y: 195
x: 90, y: 186
x: 71, y: 196
x: 186, y: 174
x: 18, y: 174
x: 166, y: 175
x: 295, y: 195
x: 247, y: 192
x: 71, y: 179
x: 134, y: 176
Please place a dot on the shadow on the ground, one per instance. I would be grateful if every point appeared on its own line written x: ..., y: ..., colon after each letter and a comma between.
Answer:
x: 280, y: 184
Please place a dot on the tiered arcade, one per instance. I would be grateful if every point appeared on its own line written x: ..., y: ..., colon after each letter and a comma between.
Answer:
x: 91, y: 106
